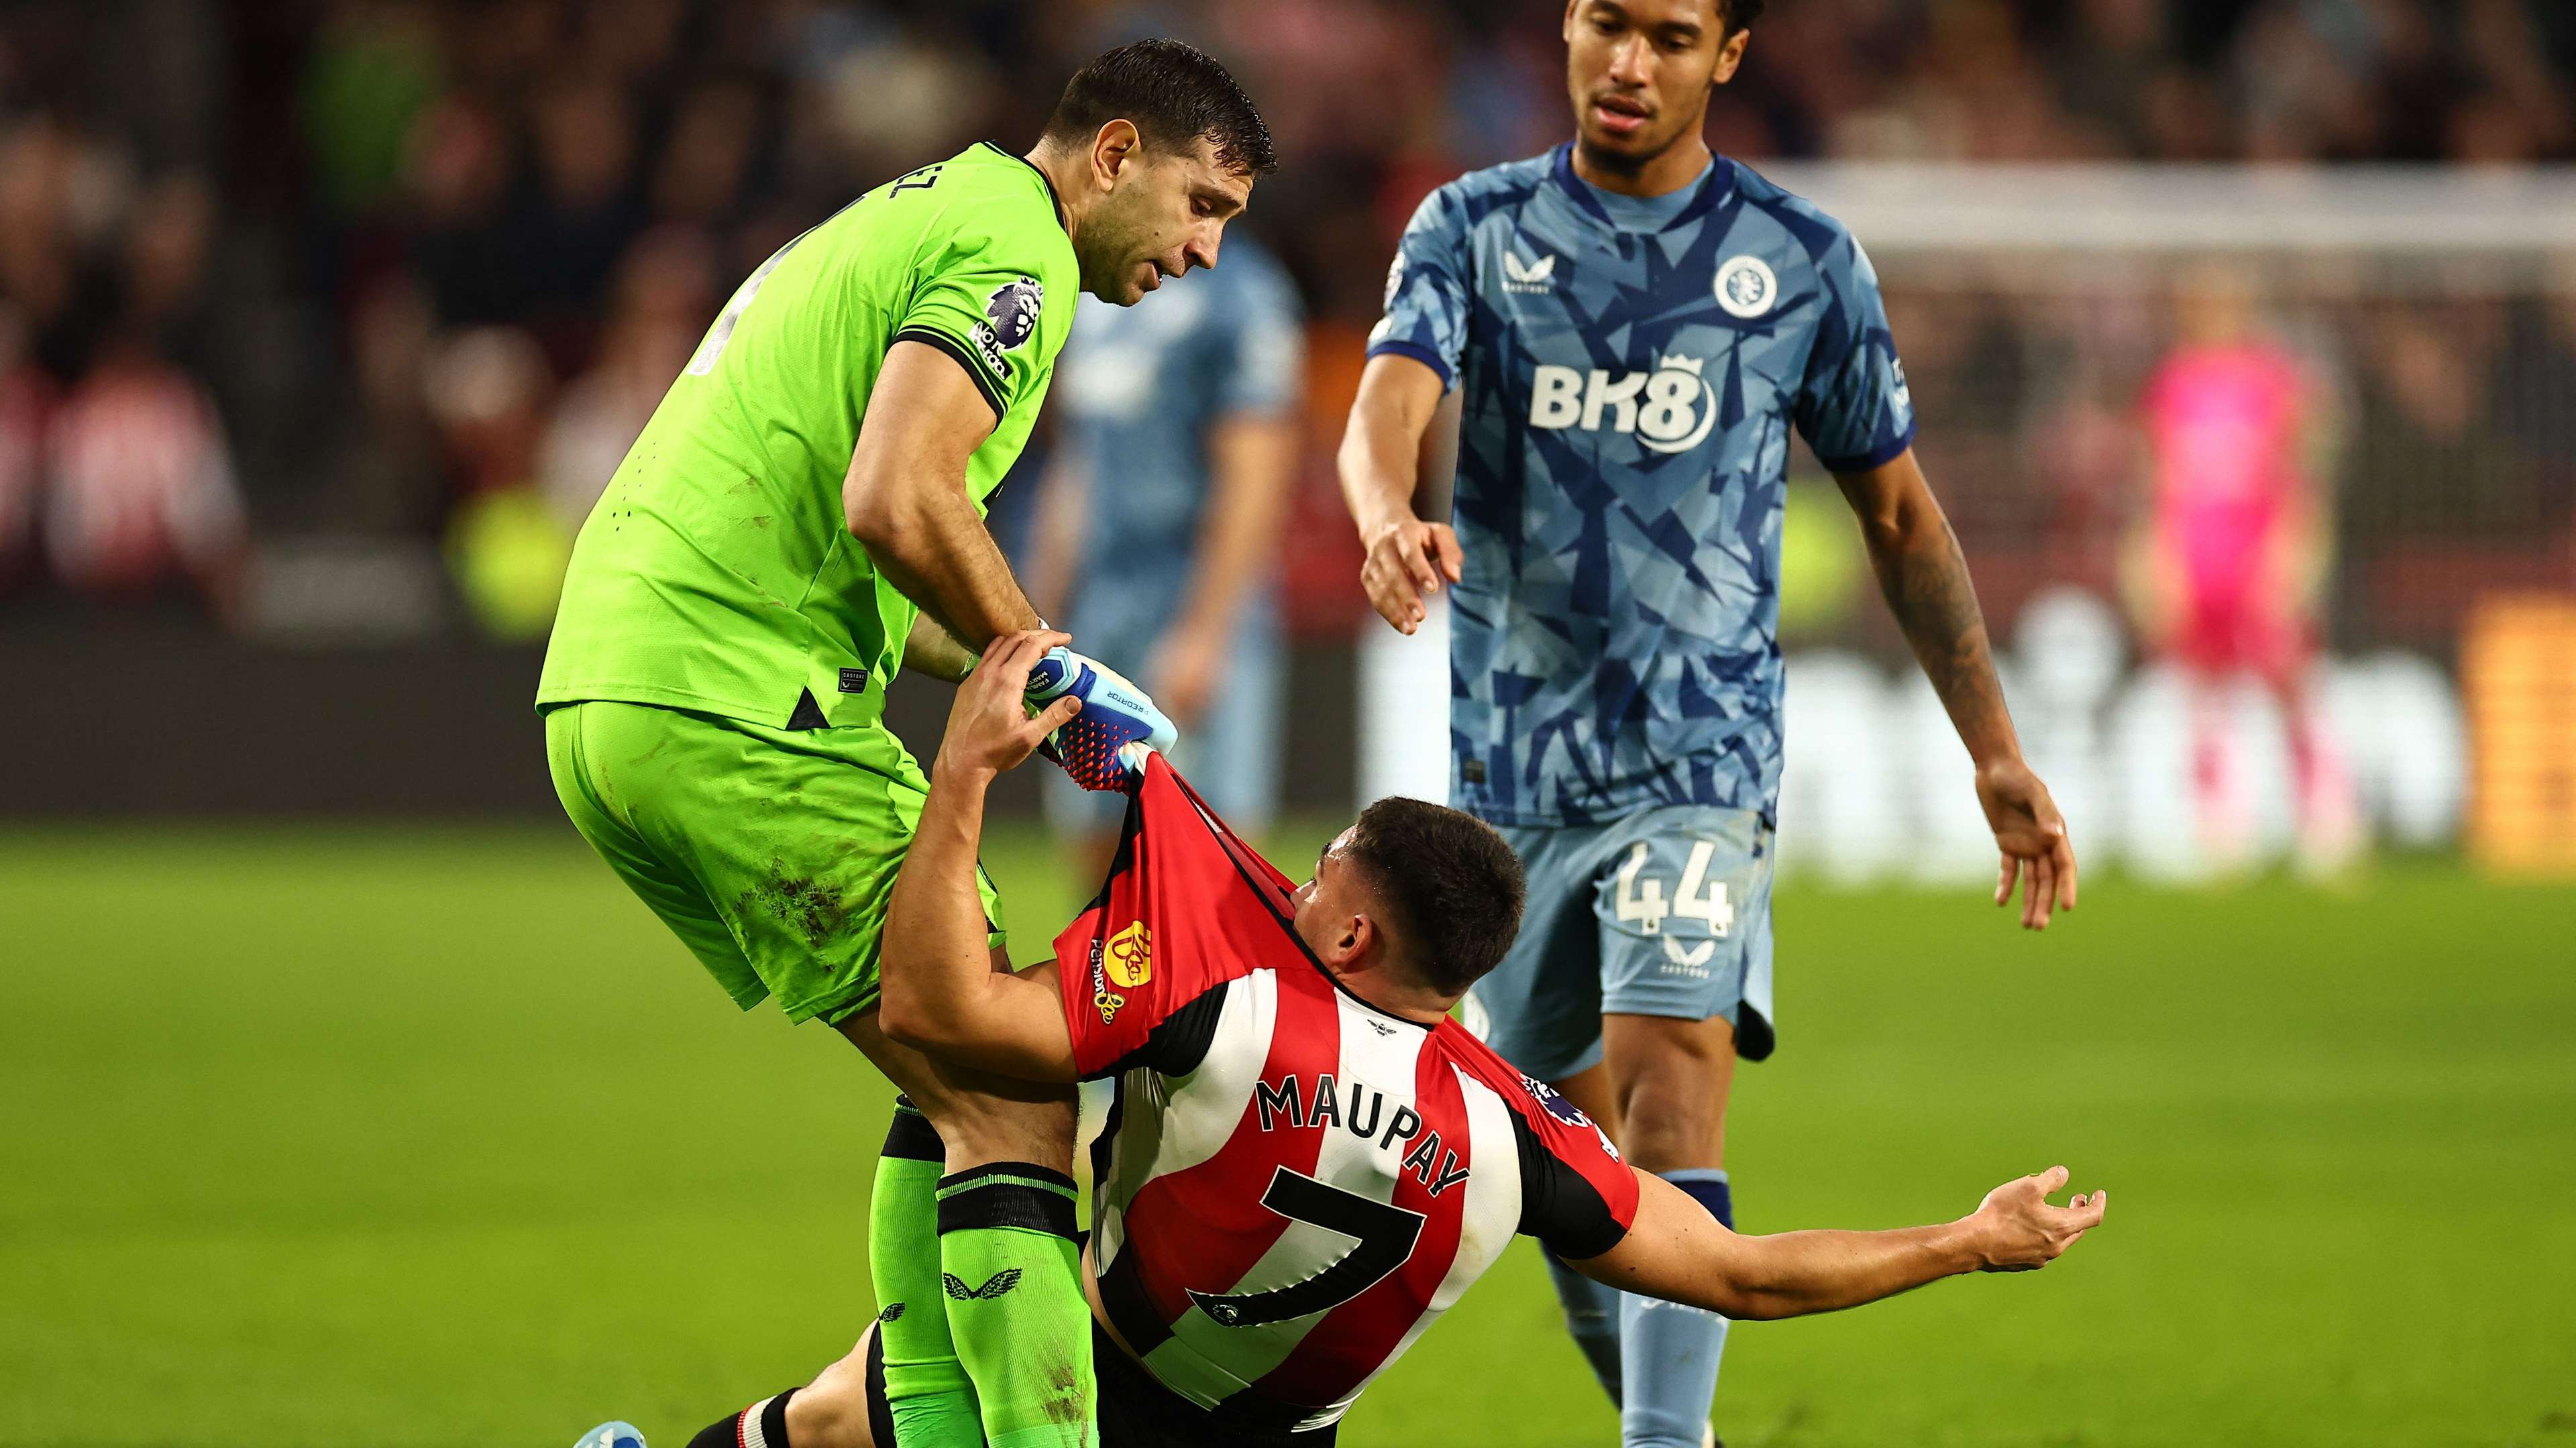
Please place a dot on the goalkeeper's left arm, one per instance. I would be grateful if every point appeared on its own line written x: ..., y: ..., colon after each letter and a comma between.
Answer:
x: 941, y: 993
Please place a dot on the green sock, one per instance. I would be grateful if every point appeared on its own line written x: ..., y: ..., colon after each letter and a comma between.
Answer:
x: 927, y: 1390
x: 1013, y: 1276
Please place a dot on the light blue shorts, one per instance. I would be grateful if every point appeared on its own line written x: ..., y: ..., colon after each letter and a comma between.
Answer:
x: 1664, y: 913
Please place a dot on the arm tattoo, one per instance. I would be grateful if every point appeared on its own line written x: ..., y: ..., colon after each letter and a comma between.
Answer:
x: 1925, y: 580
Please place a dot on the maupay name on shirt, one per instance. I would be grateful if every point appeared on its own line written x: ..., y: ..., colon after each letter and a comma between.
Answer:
x: 1303, y: 1103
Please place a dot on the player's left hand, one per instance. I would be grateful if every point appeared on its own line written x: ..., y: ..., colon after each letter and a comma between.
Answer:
x: 2018, y: 1231
x: 990, y: 728
x: 2032, y: 836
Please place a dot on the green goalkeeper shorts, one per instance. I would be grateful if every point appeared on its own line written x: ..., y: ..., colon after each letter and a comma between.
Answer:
x: 770, y: 852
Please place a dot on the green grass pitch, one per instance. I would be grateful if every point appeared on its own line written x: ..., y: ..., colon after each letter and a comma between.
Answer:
x: 389, y: 1139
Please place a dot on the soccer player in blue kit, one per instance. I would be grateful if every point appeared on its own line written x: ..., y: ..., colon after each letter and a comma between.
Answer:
x: 1159, y: 530
x: 1634, y: 327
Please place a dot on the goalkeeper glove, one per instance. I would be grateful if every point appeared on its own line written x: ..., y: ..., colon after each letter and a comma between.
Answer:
x: 1104, y: 747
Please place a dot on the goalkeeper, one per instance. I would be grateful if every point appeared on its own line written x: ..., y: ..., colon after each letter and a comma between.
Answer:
x: 802, y: 517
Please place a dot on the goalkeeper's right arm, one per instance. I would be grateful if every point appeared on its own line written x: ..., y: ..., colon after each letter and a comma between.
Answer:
x: 906, y: 502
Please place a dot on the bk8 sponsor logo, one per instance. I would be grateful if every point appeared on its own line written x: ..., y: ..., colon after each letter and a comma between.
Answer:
x: 1669, y: 410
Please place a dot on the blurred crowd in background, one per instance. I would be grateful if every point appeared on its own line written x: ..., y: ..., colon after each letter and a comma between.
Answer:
x: 419, y: 269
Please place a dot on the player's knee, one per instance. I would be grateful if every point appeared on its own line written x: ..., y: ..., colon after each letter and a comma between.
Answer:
x: 832, y: 1411
x: 1672, y: 1110
x: 1672, y: 1134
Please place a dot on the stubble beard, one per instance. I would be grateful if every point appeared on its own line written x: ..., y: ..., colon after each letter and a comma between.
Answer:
x: 1117, y: 238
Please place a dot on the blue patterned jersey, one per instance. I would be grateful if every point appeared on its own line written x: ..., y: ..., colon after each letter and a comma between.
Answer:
x: 1144, y: 384
x: 1622, y: 461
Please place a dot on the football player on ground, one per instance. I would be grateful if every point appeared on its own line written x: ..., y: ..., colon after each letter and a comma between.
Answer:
x: 802, y: 517
x: 1307, y: 1160
x: 1636, y: 327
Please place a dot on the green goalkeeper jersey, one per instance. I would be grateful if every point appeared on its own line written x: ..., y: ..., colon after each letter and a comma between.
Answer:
x: 717, y: 572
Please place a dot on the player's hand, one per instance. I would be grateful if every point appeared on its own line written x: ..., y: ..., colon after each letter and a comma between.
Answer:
x: 2016, y: 1230
x: 990, y: 728
x: 2032, y: 836
x: 1104, y: 746
x: 1188, y: 665
x: 1407, y: 559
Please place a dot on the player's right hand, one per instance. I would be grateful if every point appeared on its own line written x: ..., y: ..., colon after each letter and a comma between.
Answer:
x: 1407, y: 558
x: 2018, y: 1231
x: 990, y: 727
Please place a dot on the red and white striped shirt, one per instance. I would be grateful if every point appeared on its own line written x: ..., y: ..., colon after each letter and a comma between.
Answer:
x: 1293, y: 1184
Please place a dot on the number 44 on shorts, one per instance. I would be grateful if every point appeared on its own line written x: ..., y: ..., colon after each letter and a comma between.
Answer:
x: 1640, y: 897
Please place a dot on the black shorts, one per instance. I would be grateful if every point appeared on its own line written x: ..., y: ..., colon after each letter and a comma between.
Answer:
x: 1136, y: 1410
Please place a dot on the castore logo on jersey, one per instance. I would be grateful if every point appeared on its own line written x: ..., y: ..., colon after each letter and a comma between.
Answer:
x: 1529, y: 277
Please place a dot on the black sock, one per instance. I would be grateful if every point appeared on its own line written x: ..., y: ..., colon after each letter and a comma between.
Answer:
x: 762, y: 1425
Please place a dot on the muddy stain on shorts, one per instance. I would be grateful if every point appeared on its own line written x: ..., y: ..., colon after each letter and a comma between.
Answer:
x: 806, y: 906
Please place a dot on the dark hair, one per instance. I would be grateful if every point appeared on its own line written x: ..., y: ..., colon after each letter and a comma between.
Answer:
x: 1451, y: 884
x: 1734, y: 15
x: 1174, y: 94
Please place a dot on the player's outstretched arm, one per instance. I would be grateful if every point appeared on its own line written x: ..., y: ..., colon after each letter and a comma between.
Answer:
x: 941, y: 994
x: 1676, y: 1251
x: 1380, y: 466
x: 1924, y: 577
x: 905, y: 496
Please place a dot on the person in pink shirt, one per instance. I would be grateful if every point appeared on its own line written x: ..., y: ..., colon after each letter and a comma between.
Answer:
x: 2234, y: 551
